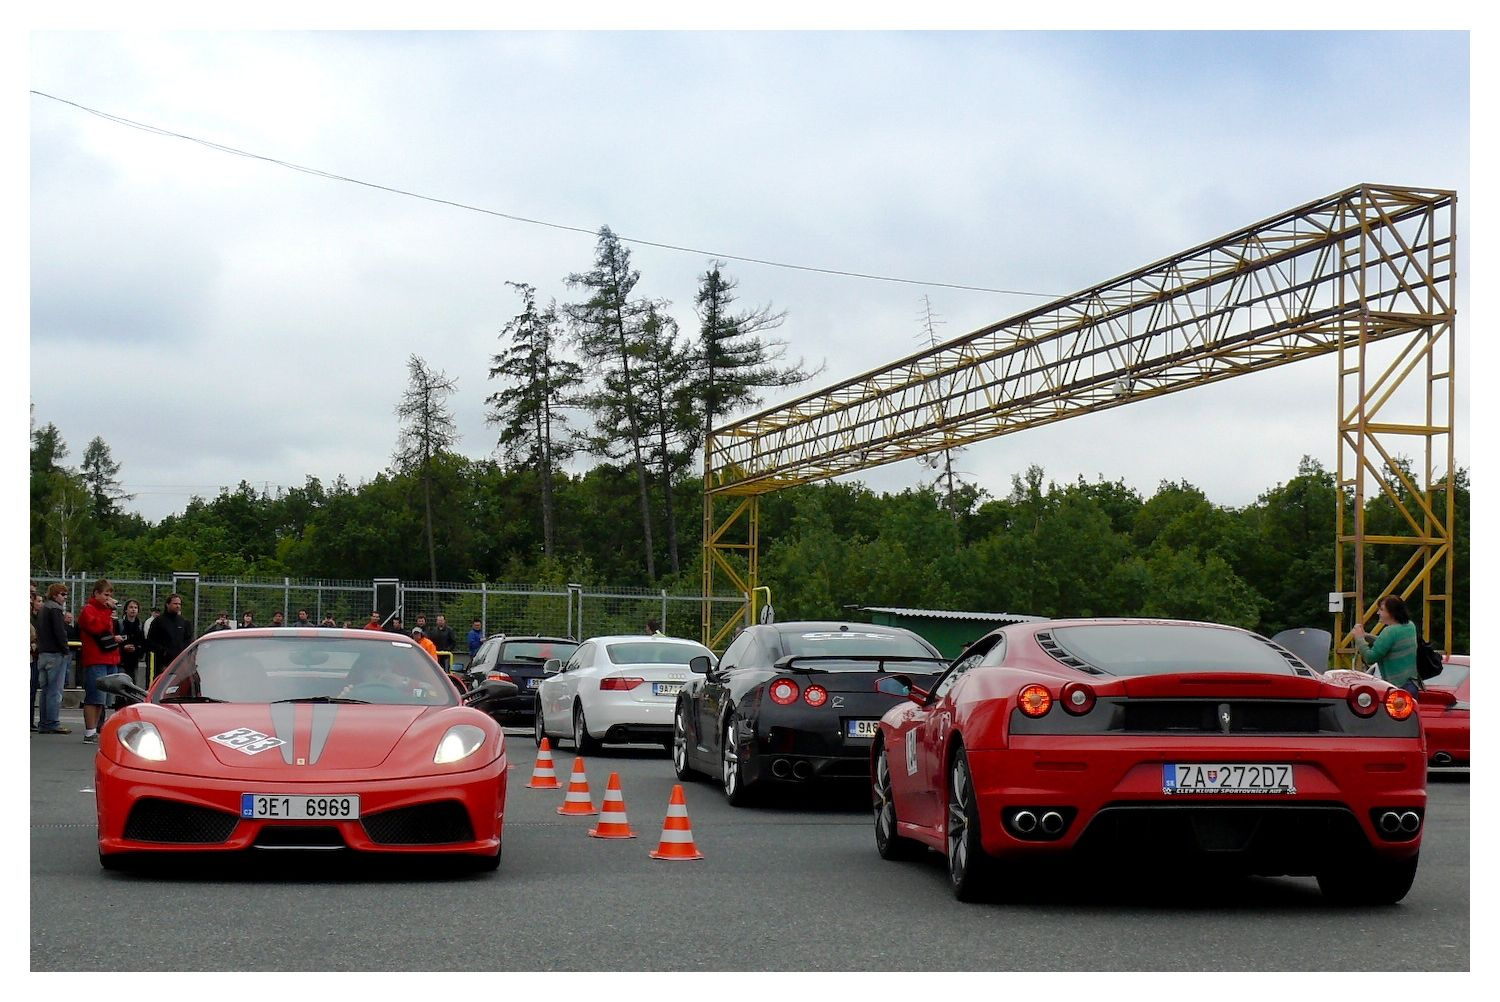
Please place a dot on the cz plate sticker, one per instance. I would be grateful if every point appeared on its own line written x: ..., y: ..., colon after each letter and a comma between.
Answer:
x: 247, y: 740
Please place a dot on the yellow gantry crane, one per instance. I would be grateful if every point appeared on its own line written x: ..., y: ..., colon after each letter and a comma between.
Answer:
x: 1370, y: 264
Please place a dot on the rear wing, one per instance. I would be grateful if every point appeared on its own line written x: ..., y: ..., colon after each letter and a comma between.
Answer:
x: 797, y: 662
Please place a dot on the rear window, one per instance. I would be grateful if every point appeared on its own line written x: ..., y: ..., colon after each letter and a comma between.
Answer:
x: 267, y: 670
x: 854, y: 643
x: 1451, y: 677
x: 536, y: 650
x: 652, y: 652
x: 1164, y: 649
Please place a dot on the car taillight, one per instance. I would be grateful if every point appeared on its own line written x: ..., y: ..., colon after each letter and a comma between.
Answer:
x: 1399, y: 704
x: 1362, y: 701
x: 498, y: 676
x: 620, y: 684
x: 1077, y: 698
x: 784, y: 692
x: 1034, y: 700
x: 815, y: 696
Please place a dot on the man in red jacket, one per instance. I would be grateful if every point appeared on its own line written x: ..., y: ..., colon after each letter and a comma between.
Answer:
x: 100, y: 640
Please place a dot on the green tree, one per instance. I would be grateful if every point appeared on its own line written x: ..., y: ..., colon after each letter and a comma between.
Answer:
x: 427, y: 429
x: 101, y: 475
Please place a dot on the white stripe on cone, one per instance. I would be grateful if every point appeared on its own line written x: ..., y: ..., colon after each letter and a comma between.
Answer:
x: 669, y: 835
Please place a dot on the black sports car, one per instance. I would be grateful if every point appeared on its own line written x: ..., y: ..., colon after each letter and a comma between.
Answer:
x: 794, y: 702
x: 517, y: 660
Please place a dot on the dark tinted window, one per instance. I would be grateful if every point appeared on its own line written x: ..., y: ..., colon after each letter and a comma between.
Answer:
x: 655, y: 652
x: 536, y: 650
x: 265, y: 670
x: 1167, y: 648
x: 822, y: 643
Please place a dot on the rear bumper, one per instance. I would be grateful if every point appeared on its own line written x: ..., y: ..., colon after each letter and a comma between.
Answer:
x: 141, y: 811
x: 616, y: 714
x: 799, y: 754
x: 1447, y: 739
x: 1109, y: 793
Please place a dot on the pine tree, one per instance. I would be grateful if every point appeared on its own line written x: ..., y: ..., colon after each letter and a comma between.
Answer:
x: 101, y: 475
x: 427, y: 429
x: 667, y: 384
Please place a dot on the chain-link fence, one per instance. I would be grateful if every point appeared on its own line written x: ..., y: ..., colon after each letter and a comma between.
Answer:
x: 574, y: 610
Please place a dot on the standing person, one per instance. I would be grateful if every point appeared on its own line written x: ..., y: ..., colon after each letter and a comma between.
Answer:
x: 52, y: 660
x: 247, y: 620
x: 396, y: 626
x: 330, y: 623
x: 476, y: 637
x: 373, y: 624
x: 1395, y: 648
x: 420, y: 636
x: 73, y: 644
x: 442, y: 634
x: 302, y: 618
x: 36, y: 683
x: 277, y: 618
x: 133, y: 649
x: 653, y: 627
x: 154, y: 613
x: 222, y: 623
x: 101, y: 652
x: 169, y: 635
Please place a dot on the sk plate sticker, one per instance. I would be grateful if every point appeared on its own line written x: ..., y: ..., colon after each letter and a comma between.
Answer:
x: 247, y: 740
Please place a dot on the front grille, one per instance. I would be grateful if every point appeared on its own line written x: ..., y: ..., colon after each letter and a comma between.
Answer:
x: 170, y: 821
x: 1202, y: 716
x: 280, y: 836
x: 424, y: 824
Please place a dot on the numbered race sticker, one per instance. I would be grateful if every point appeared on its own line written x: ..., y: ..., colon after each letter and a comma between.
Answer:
x: 1230, y: 777
x: 248, y: 740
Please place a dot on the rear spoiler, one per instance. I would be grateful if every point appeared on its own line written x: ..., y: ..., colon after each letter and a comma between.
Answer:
x: 792, y: 661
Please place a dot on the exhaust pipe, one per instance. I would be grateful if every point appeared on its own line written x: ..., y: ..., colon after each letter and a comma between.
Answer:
x: 781, y: 768
x: 1024, y: 822
x: 802, y: 770
x: 1442, y: 758
x: 1410, y: 822
x: 1052, y: 822
x: 1390, y: 822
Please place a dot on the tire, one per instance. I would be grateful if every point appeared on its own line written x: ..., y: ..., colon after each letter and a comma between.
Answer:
x: 582, y: 742
x: 485, y: 864
x: 679, y: 745
x: 538, y: 726
x: 1373, y: 882
x: 732, y: 771
x: 890, y: 845
x: 971, y: 871
x: 118, y: 862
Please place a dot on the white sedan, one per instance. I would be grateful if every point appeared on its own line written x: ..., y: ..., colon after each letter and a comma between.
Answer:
x: 615, y: 689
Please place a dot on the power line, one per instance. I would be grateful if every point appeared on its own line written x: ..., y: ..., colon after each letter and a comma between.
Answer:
x: 157, y: 130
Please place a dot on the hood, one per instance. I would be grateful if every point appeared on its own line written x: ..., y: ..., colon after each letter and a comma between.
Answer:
x: 331, y: 736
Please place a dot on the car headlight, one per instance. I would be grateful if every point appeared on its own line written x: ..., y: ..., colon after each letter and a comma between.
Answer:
x: 461, y: 741
x: 144, y: 740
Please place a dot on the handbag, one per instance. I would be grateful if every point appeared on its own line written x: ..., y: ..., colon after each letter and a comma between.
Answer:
x: 106, y: 641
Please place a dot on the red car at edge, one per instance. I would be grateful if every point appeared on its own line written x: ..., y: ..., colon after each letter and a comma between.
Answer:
x: 301, y: 740
x: 1444, y: 705
x: 1204, y: 745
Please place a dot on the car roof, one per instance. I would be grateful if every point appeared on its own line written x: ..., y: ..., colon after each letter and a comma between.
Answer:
x: 641, y: 638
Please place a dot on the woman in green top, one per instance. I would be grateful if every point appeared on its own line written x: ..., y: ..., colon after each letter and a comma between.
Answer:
x: 1395, y: 647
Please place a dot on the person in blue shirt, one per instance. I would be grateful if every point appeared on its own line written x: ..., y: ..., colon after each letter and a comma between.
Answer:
x: 476, y: 637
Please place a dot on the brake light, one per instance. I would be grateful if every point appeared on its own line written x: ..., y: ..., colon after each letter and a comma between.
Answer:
x: 620, y: 684
x: 815, y: 696
x: 1077, y: 698
x: 1399, y: 704
x: 1034, y: 700
x: 1362, y: 701
x: 784, y: 692
x: 498, y: 676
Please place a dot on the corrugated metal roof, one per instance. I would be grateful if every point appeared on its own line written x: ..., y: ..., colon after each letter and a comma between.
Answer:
x: 989, y: 617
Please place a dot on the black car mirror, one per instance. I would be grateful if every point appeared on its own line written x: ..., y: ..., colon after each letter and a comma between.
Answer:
x: 551, y: 666
x: 490, y: 690
x: 122, y: 685
x: 699, y: 665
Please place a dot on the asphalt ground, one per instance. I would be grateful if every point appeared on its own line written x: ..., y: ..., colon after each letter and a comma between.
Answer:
x: 793, y: 885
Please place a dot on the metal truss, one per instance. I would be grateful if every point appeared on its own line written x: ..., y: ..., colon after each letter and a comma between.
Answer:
x: 1339, y: 274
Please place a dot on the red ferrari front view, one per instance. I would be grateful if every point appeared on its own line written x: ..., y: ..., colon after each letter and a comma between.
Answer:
x: 313, y: 740
x: 1123, y: 740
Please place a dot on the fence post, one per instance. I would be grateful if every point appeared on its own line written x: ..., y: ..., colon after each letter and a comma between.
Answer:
x: 286, y: 596
x: 484, y: 608
x: 664, y: 611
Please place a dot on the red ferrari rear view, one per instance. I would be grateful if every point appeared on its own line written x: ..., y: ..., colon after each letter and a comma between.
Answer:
x: 1205, y: 745
x: 313, y: 740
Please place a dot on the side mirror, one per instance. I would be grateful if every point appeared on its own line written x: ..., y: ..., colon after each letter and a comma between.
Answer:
x: 918, y: 696
x: 699, y: 665
x: 551, y: 666
x: 122, y: 685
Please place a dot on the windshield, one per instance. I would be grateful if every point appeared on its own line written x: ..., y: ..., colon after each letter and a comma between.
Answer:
x: 536, y: 650
x: 859, y: 643
x: 1168, y: 648
x: 300, y: 669
x: 655, y: 652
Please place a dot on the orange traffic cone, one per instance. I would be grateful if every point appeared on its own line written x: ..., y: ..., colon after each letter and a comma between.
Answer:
x: 612, y: 821
x: 677, y: 831
x: 578, y: 800
x: 544, y: 776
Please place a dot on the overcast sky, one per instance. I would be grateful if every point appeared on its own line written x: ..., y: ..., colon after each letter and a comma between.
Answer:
x: 217, y: 318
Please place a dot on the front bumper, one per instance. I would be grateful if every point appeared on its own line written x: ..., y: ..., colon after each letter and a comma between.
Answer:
x: 143, y: 811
